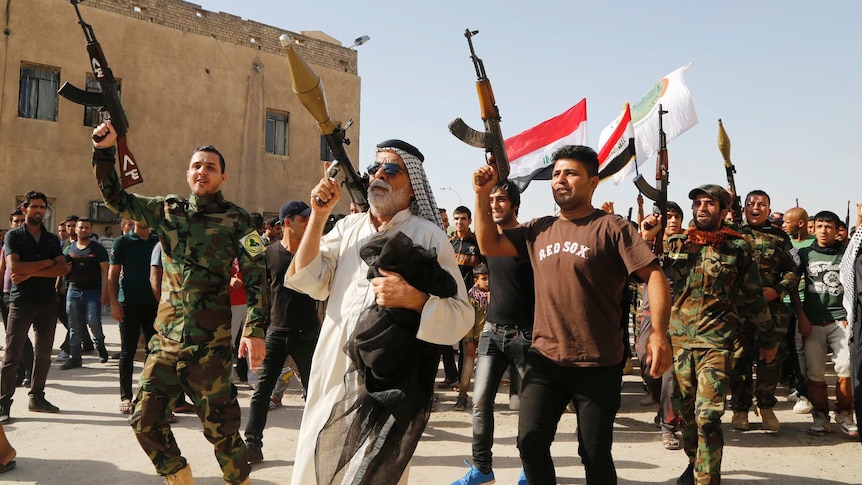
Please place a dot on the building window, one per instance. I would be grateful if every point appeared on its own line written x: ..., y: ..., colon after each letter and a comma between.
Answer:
x: 92, y: 114
x: 276, y: 133
x: 37, y: 92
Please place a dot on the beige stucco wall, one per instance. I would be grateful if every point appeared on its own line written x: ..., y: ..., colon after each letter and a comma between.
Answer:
x: 185, y: 83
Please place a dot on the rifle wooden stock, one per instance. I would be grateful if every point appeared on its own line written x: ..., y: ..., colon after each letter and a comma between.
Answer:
x: 492, y: 139
x: 108, y: 102
x: 658, y: 194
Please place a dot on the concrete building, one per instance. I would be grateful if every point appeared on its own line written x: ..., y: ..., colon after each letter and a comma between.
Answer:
x: 188, y: 77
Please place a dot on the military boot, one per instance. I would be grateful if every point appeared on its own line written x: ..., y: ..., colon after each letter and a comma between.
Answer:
x: 770, y: 422
x: 181, y: 477
x: 740, y: 421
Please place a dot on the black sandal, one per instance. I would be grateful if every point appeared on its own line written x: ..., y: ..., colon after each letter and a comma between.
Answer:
x: 5, y: 468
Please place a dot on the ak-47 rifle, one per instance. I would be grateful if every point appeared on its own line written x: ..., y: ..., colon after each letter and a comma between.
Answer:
x: 492, y: 138
x: 730, y: 169
x: 308, y: 87
x: 108, y: 101
x: 658, y: 195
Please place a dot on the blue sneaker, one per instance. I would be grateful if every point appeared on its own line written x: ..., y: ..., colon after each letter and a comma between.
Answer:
x: 522, y: 479
x: 475, y: 477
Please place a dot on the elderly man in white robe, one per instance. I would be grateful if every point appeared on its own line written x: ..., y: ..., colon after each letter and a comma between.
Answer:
x: 330, y: 267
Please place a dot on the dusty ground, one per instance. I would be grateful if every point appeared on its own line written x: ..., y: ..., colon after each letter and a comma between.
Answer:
x: 90, y: 442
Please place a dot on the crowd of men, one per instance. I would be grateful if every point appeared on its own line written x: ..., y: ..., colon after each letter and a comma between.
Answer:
x: 204, y: 283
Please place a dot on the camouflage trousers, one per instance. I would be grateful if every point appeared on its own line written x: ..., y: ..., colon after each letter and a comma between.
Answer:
x: 743, y: 388
x: 203, y: 373
x: 701, y: 388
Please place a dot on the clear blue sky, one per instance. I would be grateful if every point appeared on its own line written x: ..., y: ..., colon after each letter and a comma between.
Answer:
x: 784, y: 76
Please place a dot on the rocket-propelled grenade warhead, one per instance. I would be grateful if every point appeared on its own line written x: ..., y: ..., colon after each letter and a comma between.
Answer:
x: 308, y: 87
x: 724, y: 144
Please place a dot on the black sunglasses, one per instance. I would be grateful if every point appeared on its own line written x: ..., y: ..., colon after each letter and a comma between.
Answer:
x: 389, y: 168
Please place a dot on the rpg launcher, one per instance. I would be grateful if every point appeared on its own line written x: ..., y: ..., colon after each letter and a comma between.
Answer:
x: 108, y: 101
x: 308, y: 87
x: 492, y: 138
x: 658, y: 194
x: 730, y: 169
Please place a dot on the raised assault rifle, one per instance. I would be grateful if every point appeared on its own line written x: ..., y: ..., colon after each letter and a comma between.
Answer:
x: 492, y: 138
x: 108, y: 101
x: 308, y: 87
x: 730, y: 169
x: 658, y: 195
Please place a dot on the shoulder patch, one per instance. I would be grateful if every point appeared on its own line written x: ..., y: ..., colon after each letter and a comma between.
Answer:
x: 253, y: 244
x: 674, y: 255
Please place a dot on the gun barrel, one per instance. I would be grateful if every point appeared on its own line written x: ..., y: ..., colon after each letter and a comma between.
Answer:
x: 308, y: 87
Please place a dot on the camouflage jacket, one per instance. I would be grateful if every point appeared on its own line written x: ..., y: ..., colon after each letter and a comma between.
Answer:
x: 200, y: 238
x: 773, y: 253
x: 709, y: 282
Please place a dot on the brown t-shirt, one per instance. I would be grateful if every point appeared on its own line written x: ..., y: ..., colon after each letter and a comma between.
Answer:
x: 580, y: 269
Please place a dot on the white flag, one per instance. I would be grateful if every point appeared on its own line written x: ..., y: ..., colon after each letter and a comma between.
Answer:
x: 673, y: 94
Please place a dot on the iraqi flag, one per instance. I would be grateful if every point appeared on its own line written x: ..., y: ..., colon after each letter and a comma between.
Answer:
x: 618, y: 144
x: 530, y: 151
x: 673, y: 94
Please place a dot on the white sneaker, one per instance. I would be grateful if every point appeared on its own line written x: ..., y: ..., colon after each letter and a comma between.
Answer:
x: 802, y: 406
x: 844, y: 420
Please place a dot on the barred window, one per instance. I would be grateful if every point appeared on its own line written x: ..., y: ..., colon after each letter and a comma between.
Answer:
x: 37, y: 92
x: 277, y: 131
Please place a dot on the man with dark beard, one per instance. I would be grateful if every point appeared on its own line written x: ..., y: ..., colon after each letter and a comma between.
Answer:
x: 33, y: 256
x: 330, y: 267
x: 581, y: 261
x: 712, y: 273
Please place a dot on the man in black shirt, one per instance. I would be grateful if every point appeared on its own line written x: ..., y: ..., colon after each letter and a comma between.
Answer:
x: 507, y: 333
x: 34, y: 257
x: 293, y: 324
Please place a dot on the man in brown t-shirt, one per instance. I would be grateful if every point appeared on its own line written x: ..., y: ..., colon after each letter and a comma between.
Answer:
x: 581, y: 260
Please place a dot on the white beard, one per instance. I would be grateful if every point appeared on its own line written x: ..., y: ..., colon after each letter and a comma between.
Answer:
x: 386, y: 204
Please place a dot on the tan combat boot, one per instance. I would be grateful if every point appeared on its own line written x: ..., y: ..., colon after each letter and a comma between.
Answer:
x: 740, y: 421
x: 770, y: 422
x: 182, y: 477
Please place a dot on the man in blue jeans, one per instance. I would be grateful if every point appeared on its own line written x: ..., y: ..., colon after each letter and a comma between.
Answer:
x: 86, y: 293
x: 506, y: 337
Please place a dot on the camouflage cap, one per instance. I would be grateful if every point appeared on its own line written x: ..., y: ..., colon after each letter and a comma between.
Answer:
x: 715, y: 192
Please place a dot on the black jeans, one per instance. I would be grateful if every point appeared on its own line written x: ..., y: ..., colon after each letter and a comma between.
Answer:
x: 280, y: 344
x: 25, y: 369
x: 136, y: 319
x: 499, y: 348
x: 43, y: 317
x: 547, y: 389
x: 450, y: 368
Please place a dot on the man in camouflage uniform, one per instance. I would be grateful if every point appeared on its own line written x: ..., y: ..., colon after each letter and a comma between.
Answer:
x: 711, y: 274
x: 200, y: 237
x: 772, y: 252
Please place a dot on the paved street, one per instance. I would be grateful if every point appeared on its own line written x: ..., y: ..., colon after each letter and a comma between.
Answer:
x: 90, y: 442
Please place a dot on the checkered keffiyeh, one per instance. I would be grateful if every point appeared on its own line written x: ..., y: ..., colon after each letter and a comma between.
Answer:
x: 848, y: 278
x: 423, y: 204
